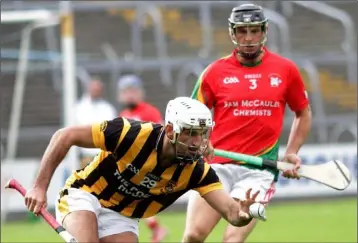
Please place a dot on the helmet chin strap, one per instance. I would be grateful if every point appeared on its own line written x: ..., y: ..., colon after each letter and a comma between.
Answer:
x: 249, y: 56
x: 182, y: 157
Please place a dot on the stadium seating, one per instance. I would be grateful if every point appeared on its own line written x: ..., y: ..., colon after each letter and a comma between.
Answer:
x: 311, y: 35
x: 305, y: 40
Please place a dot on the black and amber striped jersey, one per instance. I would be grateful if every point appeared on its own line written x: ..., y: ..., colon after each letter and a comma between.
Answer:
x: 126, y: 176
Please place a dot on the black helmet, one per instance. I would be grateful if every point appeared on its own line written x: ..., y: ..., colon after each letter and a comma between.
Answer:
x: 248, y: 15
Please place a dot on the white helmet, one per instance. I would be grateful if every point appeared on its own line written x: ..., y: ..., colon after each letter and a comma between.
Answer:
x: 184, y: 112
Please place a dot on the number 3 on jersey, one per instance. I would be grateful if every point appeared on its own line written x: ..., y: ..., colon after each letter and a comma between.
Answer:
x: 253, y: 84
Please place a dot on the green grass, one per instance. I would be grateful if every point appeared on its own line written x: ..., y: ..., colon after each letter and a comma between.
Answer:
x: 316, y: 221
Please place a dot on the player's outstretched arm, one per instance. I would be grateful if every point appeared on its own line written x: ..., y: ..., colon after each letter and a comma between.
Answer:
x: 236, y: 213
x: 58, y: 148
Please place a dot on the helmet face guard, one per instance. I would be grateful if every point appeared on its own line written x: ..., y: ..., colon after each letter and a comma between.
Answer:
x: 191, y: 143
x: 248, y: 15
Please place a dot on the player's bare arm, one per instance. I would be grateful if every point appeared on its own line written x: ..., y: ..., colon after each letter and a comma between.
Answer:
x: 55, y: 152
x: 236, y: 213
x: 60, y: 144
x: 300, y: 128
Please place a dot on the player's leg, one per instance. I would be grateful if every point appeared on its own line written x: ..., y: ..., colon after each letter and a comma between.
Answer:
x: 257, y: 180
x: 201, y: 217
x: 238, y: 234
x: 158, y: 231
x: 82, y: 225
x: 126, y: 237
x: 115, y: 228
x: 77, y: 211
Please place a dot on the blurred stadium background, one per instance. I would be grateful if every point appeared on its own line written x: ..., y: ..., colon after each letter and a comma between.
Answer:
x: 168, y: 43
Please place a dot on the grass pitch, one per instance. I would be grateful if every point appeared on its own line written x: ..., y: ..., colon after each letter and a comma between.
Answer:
x: 314, y: 221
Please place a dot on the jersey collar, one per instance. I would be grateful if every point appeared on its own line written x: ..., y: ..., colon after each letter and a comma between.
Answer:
x: 160, y: 141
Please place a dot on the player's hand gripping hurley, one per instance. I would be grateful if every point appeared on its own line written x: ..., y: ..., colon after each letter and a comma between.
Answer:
x: 14, y: 184
x: 332, y: 173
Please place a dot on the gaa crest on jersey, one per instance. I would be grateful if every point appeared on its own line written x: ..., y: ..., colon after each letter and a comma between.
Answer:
x: 275, y: 80
x: 169, y: 188
x: 231, y: 80
x: 103, y: 126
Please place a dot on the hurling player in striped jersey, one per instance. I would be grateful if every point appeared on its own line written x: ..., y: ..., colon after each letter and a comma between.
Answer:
x: 141, y: 170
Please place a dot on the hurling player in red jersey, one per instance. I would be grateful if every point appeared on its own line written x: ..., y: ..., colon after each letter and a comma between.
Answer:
x: 248, y: 91
x: 131, y: 96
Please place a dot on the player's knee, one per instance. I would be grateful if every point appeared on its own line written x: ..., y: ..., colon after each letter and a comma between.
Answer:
x: 194, y: 236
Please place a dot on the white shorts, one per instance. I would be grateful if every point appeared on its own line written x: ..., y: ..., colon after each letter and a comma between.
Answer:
x: 238, y: 179
x: 109, y: 221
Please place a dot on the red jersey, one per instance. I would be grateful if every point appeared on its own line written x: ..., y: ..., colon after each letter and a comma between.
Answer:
x: 143, y: 112
x: 249, y: 102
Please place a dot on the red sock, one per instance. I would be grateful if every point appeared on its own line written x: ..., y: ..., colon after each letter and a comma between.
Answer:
x: 152, y: 223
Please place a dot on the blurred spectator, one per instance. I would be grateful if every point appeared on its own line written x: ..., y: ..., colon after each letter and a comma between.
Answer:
x: 131, y: 96
x: 93, y: 108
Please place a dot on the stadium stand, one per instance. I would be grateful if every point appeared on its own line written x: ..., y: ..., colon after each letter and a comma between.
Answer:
x: 182, y: 28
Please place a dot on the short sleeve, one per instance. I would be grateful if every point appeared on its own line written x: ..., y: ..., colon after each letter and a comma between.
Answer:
x: 203, y: 88
x: 209, y: 181
x: 106, y: 134
x: 296, y: 96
